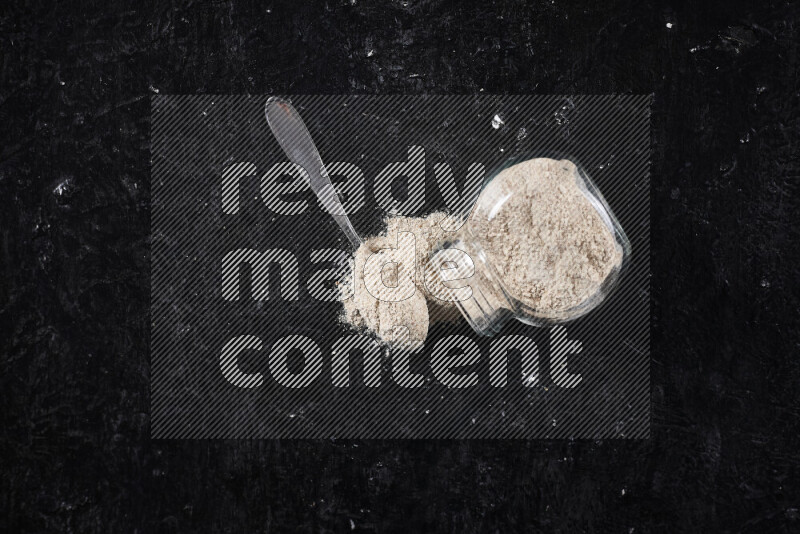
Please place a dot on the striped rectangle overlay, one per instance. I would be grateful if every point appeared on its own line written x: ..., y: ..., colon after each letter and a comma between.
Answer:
x: 269, y: 358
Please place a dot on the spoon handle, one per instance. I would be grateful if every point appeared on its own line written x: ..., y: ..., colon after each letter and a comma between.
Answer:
x: 293, y: 136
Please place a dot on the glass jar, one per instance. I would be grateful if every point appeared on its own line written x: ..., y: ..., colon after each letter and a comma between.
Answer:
x: 540, y: 245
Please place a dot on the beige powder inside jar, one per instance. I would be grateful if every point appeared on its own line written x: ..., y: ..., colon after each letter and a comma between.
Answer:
x: 544, y: 238
x: 550, y: 246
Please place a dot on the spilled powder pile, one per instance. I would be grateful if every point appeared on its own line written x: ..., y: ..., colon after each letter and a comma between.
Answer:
x: 366, y: 312
x: 547, y: 242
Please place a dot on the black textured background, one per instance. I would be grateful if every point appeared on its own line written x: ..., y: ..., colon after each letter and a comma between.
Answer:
x: 75, y: 81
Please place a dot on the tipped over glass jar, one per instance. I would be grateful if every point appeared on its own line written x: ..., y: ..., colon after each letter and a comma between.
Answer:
x: 540, y: 245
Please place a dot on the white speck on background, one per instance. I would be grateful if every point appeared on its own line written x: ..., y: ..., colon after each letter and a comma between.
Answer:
x: 497, y: 122
x: 61, y: 188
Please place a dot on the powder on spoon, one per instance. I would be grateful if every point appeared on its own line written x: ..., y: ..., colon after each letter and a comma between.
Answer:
x: 383, y: 317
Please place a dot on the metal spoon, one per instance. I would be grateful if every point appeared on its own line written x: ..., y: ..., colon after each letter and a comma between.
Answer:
x: 292, y: 134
